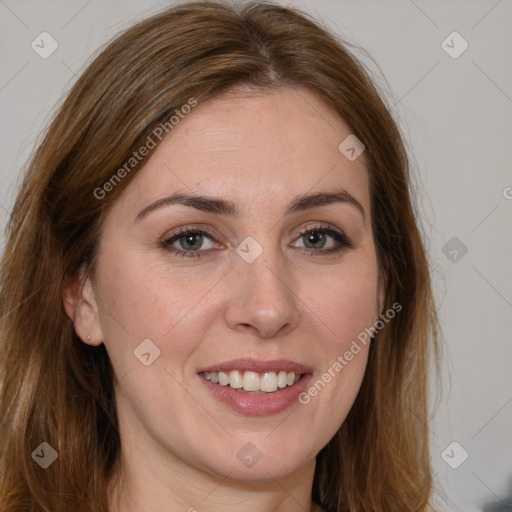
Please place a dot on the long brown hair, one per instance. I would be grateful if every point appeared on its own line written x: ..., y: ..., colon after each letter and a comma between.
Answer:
x: 56, y: 389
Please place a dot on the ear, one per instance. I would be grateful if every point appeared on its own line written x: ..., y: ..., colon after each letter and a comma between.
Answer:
x: 80, y: 305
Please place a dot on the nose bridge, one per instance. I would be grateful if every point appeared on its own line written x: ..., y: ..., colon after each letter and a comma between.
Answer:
x: 261, y: 294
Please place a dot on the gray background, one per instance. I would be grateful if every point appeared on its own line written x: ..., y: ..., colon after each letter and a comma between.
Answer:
x: 455, y: 114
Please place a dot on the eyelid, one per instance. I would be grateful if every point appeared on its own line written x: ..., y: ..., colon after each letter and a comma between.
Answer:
x: 195, y: 228
x: 172, y: 237
x: 337, y: 234
x: 343, y: 241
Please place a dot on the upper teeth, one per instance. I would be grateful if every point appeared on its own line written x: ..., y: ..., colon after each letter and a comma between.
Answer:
x: 252, y: 381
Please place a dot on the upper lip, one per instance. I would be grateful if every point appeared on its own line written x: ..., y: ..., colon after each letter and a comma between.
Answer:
x: 258, y: 366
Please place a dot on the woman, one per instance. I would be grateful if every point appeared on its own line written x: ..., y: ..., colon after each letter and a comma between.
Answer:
x: 214, y: 290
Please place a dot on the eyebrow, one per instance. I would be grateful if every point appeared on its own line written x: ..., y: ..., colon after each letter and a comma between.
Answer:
x: 224, y: 207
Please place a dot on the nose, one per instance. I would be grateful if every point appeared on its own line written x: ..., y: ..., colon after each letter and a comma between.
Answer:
x: 261, y: 297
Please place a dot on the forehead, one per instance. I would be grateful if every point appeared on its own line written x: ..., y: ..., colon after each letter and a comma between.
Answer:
x: 249, y: 146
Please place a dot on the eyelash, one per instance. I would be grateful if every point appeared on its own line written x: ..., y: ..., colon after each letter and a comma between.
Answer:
x: 340, y: 237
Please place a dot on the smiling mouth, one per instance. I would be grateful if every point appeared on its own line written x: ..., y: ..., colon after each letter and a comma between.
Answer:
x: 253, y: 382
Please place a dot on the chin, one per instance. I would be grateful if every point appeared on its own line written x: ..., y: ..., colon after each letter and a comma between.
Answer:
x: 261, y: 458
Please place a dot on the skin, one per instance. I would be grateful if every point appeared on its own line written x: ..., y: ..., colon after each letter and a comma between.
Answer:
x: 179, y: 445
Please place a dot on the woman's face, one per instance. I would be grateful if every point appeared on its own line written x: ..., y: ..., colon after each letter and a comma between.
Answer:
x: 247, y: 293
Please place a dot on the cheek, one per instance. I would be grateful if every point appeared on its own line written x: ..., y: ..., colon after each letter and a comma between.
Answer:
x: 343, y: 300
x: 344, y: 305
x: 140, y: 300
x: 155, y: 300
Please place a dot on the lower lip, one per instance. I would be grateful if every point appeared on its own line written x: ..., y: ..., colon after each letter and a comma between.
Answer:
x: 258, y: 404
